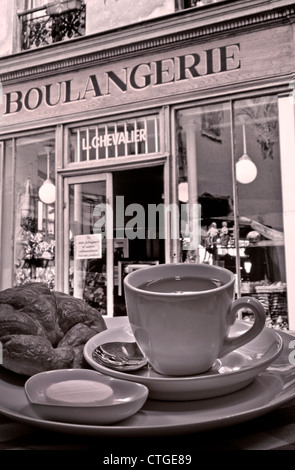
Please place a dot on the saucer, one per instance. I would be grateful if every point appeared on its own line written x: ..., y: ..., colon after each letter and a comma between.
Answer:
x: 83, y: 396
x: 232, y: 372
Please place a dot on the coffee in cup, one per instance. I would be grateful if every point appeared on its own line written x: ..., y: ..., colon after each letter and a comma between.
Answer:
x: 181, y: 315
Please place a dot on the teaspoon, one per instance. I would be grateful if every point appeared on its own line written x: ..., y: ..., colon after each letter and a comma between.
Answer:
x: 122, y: 356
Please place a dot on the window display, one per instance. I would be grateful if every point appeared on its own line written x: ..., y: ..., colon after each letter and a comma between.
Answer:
x: 233, y: 172
x: 30, y: 209
x: 260, y: 206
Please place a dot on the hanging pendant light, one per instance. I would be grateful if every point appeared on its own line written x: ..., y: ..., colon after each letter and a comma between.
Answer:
x: 246, y: 170
x: 47, y: 190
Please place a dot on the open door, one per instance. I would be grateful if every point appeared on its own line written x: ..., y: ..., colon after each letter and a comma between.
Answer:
x: 138, y: 194
x: 88, y: 244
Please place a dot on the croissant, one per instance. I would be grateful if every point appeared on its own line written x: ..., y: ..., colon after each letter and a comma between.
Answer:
x: 43, y: 330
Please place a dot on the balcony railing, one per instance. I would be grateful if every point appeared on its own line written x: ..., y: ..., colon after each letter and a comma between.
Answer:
x: 60, y: 20
x: 40, y: 27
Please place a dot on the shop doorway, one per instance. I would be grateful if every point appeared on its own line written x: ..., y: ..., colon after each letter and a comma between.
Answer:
x: 109, y: 230
x: 139, y: 235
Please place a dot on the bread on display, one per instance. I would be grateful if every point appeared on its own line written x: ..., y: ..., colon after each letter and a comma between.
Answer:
x: 41, y: 329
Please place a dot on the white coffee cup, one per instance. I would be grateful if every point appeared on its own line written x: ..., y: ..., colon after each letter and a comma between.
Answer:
x: 184, y: 332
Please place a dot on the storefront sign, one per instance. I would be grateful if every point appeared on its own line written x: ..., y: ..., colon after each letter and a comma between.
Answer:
x: 117, y: 138
x: 88, y: 246
x: 138, y: 81
x: 104, y: 84
x: 140, y: 76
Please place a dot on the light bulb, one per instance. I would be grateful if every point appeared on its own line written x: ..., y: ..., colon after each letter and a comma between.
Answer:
x: 248, y: 266
x: 183, y: 192
x: 47, y: 192
x: 246, y: 170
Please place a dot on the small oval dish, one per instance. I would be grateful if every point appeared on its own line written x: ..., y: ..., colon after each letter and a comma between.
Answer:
x: 83, y: 396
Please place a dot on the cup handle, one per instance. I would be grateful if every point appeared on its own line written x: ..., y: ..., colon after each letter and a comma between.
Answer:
x: 230, y: 344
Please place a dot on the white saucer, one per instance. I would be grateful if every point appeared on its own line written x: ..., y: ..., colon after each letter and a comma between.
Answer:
x: 236, y: 370
x: 83, y: 396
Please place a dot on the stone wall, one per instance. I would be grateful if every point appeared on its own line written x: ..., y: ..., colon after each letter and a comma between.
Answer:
x: 7, y: 27
x: 103, y: 15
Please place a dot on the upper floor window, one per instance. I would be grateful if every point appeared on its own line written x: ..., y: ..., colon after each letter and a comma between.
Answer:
x: 183, y: 4
x: 43, y: 22
x: 29, y: 4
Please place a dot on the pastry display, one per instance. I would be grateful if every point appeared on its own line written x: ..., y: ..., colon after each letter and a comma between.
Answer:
x: 41, y: 329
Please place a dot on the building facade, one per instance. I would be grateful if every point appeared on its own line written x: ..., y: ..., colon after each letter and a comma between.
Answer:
x: 149, y: 133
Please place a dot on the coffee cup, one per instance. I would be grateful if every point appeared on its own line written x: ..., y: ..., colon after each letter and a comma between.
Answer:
x: 181, y: 315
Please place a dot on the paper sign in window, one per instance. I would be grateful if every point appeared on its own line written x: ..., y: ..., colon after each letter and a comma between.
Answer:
x: 88, y: 246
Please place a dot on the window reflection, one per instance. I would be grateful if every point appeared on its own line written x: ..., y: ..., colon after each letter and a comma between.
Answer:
x: 241, y: 217
x: 87, y: 243
x: 30, y: 222
x: 183, y: 4
x: 260, y: 207
x: 205, y: 165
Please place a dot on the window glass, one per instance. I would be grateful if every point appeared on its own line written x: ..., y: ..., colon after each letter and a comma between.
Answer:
x: 46, y: 22
x: 29, y: 210
x: 259, y: 191
x: 7, y: 216
x: 87, y: 243
x: 205, y: 174
x: 234, y: 174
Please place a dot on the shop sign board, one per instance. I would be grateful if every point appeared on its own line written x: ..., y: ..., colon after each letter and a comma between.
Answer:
x: 115, y: 138
x: 104, y: 86
x: 136, y: 136
x: 160, y: 75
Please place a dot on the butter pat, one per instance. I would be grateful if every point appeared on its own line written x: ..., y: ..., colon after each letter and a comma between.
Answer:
x: 78, y: 392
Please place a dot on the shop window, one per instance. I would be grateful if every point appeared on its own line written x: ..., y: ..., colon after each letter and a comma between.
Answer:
x: 117, y: 139
x: 234, y: 175
x: 259, y: 196
x: 45, y: 22
x: 29, y: 211
x: 205, y: 173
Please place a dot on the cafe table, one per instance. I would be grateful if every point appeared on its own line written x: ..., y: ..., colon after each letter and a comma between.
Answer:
x: 273, y: 429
